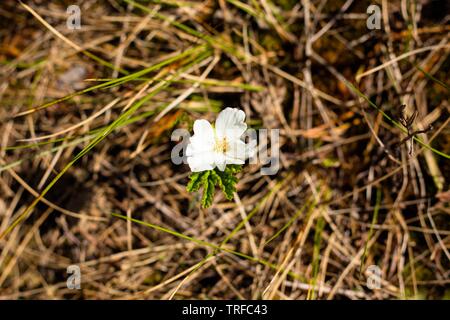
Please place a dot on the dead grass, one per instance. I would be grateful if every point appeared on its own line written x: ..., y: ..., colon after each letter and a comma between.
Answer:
x: 86, y: 118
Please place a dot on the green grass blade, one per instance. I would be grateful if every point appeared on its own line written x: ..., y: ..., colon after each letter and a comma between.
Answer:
x: 395, y: 123
x: 292, y: 219
x: 204, y: 244
x: 118, y: 81
x: 98, y: 138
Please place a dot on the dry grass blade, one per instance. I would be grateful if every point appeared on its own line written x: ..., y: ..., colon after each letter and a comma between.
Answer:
x: 347, y: 199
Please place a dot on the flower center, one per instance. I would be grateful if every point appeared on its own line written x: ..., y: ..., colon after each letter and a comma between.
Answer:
x: 221, y: 145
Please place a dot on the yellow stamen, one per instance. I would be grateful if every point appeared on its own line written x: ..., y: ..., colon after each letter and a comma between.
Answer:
x: 221, y: 145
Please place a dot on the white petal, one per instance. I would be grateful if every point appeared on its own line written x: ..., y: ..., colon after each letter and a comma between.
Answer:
x: 230, y: 123
x: 236, y: 152
x: 190, y: 149
x: 199, y: 144
x: 203, y: 128
x: 220, y: 161
x: 202, y: 140
x: 201, y: 162
x: 234, y: 161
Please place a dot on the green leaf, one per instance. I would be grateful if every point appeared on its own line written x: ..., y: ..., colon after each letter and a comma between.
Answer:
x: 226, y: 180
x: 208, y: 190
x: 195, y: 181
x: 234, y: 168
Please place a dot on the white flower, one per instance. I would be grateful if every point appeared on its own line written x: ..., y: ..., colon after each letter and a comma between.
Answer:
x: 220, y: 145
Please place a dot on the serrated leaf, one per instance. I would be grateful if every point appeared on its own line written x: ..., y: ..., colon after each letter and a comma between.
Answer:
x: 234, y: 168
x: 226, y: 180
x: 208, y: 189
x: 195, y: 181
x: 227, y: 183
